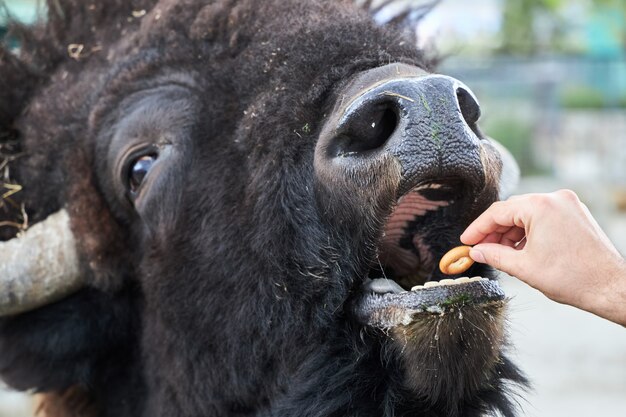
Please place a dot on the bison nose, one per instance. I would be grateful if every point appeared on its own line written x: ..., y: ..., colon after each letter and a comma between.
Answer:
x: 369, y: 127
x: 427, y: 123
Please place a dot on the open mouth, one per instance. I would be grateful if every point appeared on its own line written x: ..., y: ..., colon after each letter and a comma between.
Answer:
x: 404, y: 281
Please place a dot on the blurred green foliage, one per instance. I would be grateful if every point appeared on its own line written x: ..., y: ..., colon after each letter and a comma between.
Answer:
x: 582, y: 97
x: 586, y: 97
x: 530, y: 27
x: 518, y: 34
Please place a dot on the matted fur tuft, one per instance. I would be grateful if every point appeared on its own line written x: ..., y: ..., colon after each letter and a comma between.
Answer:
x: 447, y: 354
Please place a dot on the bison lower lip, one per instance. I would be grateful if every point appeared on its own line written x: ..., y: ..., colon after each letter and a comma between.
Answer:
x: 386, y: 305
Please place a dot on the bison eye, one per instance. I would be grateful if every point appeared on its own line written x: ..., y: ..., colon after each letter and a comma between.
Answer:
x: 138, y: 170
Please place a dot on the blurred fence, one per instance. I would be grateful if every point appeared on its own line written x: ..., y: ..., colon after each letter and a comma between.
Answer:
x: 564, y: 116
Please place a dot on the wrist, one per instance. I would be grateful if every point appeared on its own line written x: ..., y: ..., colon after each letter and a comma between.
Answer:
x: 608, y: 299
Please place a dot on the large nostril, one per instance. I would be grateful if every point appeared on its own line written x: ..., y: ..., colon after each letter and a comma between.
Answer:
x: 468, y: 105
x: 367, y: 129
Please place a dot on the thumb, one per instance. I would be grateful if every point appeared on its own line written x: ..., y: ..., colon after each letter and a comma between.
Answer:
x: 501, y: 257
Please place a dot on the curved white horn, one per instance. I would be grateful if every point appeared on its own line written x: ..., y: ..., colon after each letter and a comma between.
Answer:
x: 39, y: 267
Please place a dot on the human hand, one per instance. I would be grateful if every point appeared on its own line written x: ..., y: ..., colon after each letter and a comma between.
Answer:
x: 551, y: 242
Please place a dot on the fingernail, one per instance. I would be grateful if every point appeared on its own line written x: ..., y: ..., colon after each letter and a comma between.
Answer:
x: 477, y: 256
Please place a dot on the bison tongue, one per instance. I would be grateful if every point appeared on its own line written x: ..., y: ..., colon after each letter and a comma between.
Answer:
x: 401, y: 248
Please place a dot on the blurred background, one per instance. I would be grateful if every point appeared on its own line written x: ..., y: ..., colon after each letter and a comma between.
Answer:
x: 551, y: 79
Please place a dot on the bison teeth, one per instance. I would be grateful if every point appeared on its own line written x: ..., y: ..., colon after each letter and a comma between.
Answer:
x: 447, y: 281
x: 383, y: 286
x: 386, y: 286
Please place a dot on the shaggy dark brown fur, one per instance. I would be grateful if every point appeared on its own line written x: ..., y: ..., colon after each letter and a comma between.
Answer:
x: 224, y: 294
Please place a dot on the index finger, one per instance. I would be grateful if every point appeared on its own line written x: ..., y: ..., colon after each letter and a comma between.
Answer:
x: 501, y: 217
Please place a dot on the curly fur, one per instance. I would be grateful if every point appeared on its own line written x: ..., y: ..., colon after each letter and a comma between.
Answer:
x: 229, y: 302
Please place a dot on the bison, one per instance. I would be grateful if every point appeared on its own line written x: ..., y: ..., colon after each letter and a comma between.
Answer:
x: 236, y: 208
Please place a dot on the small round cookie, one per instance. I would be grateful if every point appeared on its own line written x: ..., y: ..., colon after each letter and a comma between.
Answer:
x: 456, y: 260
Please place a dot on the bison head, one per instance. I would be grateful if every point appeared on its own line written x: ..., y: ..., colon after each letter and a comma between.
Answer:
x: 249, y: 202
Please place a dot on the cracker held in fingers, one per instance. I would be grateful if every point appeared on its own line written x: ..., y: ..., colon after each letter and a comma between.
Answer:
x: 456, y: 260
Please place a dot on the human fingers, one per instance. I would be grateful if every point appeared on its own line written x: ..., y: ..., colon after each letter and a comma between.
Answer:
x: 492, y: 238
x: 500, y: 217
x: 512, y: 237
x: 521, y: 244
x: 501, y: 257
